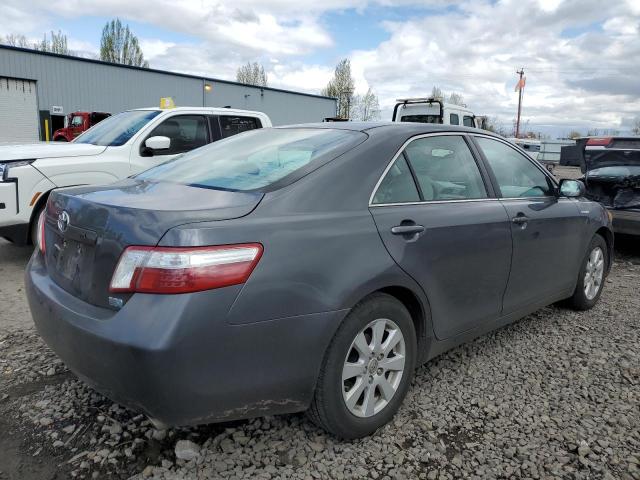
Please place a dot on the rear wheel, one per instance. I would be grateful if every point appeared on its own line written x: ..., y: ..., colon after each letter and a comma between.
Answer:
x: 367, y: 369
x: 592, y: 275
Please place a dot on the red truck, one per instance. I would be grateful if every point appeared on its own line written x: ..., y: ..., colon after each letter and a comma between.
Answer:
x: 78, y: 122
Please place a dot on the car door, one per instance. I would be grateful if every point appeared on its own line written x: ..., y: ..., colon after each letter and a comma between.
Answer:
x: 186, y: 132
x: 546, y: 229
x: 436, y: 216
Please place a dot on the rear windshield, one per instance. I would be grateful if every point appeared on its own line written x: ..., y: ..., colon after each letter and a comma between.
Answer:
x: 255, y: 160
x: 421, y: 118
x: 117, y: 130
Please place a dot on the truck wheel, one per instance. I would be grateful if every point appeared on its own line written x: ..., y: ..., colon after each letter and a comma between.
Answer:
x: 33, y: 230
x: 367, y: 369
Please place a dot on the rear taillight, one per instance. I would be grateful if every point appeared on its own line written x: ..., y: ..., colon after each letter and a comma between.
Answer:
x: 183, y: 270
x: 41, y: 244
x: 599, y: 141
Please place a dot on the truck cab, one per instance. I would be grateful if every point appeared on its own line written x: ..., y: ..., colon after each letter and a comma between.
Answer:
x: 78, y: 122
x: 124, y: 144
x: 434, y: 110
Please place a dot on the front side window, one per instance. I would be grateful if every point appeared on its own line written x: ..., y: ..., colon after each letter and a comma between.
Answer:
x: 232, y: 125
x: 454, y: 119
x: 467, y: 121
x: 186, y: 132
x: 256, y: 160
x: 445, y: 168
x: 76, y: 121
x: 118, y: 129
x: 516, y: 175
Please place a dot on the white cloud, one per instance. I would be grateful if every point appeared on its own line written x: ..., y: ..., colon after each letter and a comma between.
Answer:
x: 579, y: 57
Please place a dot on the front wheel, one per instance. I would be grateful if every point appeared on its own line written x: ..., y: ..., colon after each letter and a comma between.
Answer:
x: 367, y: 369
x: 592, y: 275
x: 33, y: 231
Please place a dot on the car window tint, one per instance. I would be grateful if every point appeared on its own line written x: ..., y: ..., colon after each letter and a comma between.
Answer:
x: 454, y: 119
x: 257, y: 159
x: 467, y: 121
x: 186, y: 132
x: 397, y: 186
x: 445, y: 168
x: 516, y: 175
x: 421, y: 118
x: 232, y: 125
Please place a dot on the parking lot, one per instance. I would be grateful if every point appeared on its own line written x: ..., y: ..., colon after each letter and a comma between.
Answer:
x: 556, y: 394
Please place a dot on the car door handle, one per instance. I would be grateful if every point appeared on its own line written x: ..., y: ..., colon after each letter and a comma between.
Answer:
x: 407, y: 229
x: 520, y: 219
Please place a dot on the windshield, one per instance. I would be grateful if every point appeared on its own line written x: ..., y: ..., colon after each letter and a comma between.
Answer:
x: 256, y: 159
x: 118, y: 129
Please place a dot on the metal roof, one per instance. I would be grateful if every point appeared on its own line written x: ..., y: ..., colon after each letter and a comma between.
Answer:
x: 166, y: 72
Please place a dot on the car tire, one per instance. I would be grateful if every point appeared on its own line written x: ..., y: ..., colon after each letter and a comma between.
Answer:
x: 591, y: 278
x: 33, y: 230
x: 379, y: 385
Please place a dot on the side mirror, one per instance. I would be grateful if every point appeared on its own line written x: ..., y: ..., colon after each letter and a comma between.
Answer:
x: 572, y: 188
x: 158, y: 143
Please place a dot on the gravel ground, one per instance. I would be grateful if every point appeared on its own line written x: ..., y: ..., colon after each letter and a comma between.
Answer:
x: 555, y: 395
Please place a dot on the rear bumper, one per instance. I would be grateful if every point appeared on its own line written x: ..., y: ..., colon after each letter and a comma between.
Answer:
x: 626, y: 221
x: 176, y: 359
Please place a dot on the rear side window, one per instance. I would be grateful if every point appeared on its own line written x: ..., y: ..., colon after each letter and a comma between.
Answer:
x: 445, y: 168
x: 454, y: 119
x: 255, y: 160
x: 186, y: 132
x: 232, y: 125
x: 467, y: 121
x: 516, y: 174
x: 397, y: 186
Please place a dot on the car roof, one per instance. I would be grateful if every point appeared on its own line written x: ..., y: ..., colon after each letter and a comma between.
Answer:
x: 409, y: 128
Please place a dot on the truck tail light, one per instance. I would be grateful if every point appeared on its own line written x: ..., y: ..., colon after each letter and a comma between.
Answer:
x: 41, y: 244
x: 184, y: 270
x: 599, y: 141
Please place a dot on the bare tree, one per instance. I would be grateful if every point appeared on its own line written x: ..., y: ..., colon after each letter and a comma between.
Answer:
x: 119, y: 45
x: 14, y: 40
x: 252, y: 74
x: 436, y: 92
x: 635, y: 129
x: 456, y: 99
x: 341, y: 87
x: 366, y: 107
x: 574, y: 134
x: 57, y: 44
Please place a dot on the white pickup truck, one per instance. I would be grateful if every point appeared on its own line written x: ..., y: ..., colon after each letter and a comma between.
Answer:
x: 120, y: 146
x: 434, y: 110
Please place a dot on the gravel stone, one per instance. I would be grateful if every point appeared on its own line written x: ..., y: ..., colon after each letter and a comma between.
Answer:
x: 555, y: 395
x: 186, y: 450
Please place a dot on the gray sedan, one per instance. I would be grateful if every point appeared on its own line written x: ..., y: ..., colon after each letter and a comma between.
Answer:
x: 306, y: 268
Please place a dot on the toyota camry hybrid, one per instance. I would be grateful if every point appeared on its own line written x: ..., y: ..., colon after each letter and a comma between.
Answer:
x: 306, y: 268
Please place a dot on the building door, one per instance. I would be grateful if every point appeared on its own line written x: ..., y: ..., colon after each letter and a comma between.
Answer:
x: 18, y: 111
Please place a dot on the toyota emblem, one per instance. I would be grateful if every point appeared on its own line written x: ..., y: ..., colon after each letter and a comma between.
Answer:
x: 63, y: 221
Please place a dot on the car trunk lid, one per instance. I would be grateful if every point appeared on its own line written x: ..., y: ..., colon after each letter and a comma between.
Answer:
x: 87, y: 228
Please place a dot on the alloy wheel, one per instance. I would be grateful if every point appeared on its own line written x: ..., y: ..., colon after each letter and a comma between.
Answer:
x: 373, y: 368
x: 594, y: 273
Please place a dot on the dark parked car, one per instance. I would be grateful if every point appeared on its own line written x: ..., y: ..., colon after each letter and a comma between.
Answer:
x: 611, y: 167
x: 306, y: 268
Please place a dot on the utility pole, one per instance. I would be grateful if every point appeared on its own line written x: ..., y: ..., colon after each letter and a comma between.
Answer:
x: 520, y: 88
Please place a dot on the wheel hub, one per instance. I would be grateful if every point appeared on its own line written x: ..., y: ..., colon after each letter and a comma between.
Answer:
x: 373, y: 366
